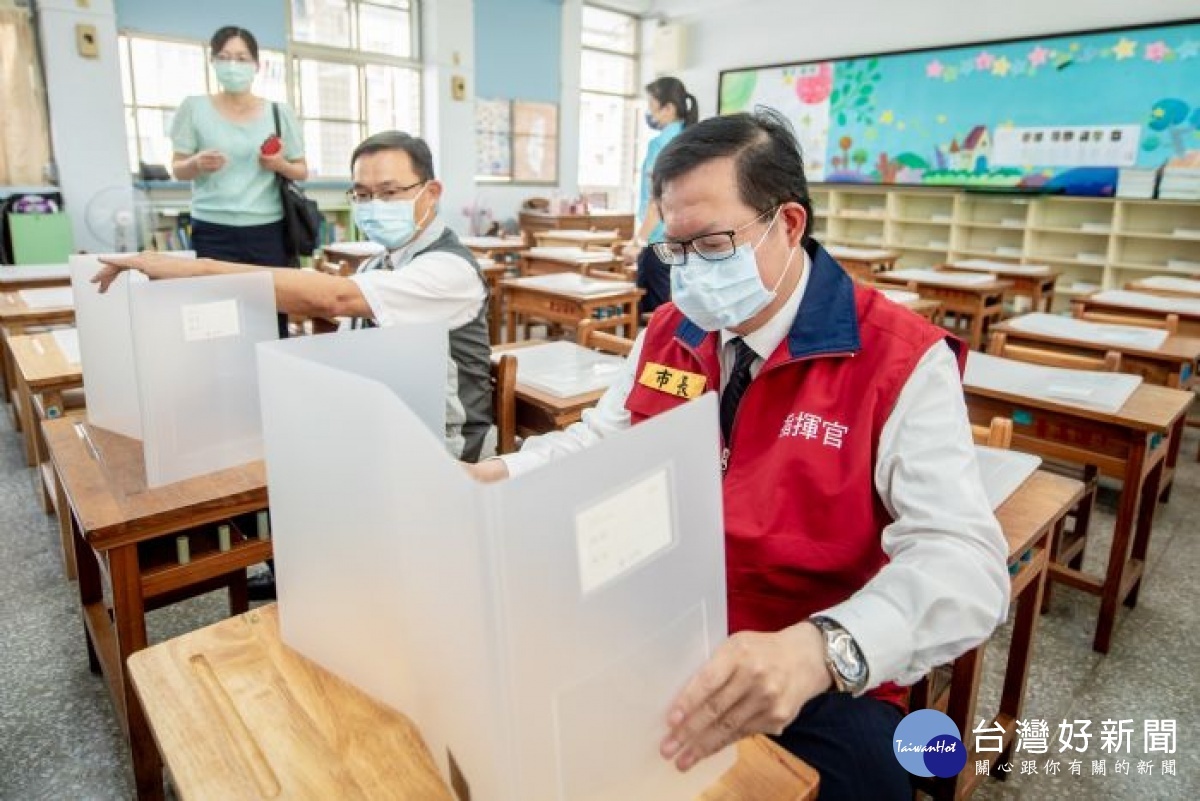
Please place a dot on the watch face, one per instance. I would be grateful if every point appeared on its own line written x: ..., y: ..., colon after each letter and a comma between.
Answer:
x: 847, y: 660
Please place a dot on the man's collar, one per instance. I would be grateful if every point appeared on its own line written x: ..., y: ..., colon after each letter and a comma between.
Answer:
x: 405, y: 253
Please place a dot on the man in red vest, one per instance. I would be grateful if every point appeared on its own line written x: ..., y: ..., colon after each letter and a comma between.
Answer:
x: 861, y: 550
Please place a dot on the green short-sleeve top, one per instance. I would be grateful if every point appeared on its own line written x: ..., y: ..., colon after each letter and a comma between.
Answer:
x: 242, y: 192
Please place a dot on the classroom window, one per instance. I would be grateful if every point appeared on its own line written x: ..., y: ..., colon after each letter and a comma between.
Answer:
x: 356, y: 71
x: 157, y: 74
x: 609, y: 103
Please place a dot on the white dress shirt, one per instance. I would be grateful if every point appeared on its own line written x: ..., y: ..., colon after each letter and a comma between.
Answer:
x: 946, y: 586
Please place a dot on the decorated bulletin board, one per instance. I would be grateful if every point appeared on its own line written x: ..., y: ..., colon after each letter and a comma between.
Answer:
x: 1062, y: 113
x: 516, y: 140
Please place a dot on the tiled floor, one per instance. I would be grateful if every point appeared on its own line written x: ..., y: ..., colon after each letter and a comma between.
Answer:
x: 59, y: 738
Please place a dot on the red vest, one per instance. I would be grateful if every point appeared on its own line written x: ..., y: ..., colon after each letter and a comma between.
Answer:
x: 803, y: 522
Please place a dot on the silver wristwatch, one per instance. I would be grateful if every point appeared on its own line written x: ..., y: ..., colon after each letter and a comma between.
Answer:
x: 843, y: 657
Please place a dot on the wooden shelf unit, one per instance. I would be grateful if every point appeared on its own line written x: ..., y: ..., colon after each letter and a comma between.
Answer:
x: 1093, y: 242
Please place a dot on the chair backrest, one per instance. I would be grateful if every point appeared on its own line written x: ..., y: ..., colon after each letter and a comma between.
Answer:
x: 504, y: 402
x: 589, y: 337
x: 996, y: 435
x: 1170, y: 323
x: 998, y: 345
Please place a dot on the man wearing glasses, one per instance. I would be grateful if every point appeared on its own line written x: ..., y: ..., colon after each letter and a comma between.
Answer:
x: 424, y: 274
x: 861, y: 550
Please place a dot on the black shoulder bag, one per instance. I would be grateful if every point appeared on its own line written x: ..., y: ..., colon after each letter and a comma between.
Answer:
x: 301, y: 217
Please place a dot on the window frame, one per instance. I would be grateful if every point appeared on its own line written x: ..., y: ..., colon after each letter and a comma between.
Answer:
x: 292, y: 54
x: 628, y: 186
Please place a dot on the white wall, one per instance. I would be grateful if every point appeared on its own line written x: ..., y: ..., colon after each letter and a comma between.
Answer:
x: 448, y: 42
x: 725, y: 34
x: 87, y: 120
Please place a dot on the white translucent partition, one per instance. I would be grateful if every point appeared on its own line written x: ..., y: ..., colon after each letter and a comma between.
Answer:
x: 901, y: 296
x: 865, y: 254
x: 565, y: 369
x: 106, y: 348
x: 565, y: 253
x: 55, y: 297
x: 1003, y: 471
x: 989, y: 266
x: 1131, y: 336
x: 535, y: 629
x: 193, y: 343
x: 67, y: 340
x: 25, y: 272
x: 574, y: 283
x: 1143, y: 300
x: 1086, y: 389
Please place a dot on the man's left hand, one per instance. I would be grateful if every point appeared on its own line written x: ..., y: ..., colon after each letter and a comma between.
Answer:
x: 754, y: 683
x: 154, y: 265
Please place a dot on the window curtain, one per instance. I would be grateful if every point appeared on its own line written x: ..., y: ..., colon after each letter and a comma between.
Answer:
x: 24, y: 133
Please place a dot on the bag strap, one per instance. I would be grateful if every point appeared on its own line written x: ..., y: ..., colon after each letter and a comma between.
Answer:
x: 275, y: 111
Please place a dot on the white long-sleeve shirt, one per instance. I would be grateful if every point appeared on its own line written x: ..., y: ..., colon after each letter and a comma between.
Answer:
x: 946, y: 586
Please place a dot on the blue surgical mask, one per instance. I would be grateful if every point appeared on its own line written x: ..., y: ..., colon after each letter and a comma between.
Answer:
x: 390, y: 223
x: 235, y: 76
x: 654, y: 124
x: 724, y: 294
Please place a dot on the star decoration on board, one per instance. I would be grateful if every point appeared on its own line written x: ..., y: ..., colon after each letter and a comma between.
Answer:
x: 985, y: 60
x: 1156, y: 51
x: 934, y: 69
x: 1001, y: 66
x: 1038, y: 56
x: 1189, y: 49
x: 887, y: 117
x: 1126, y: 48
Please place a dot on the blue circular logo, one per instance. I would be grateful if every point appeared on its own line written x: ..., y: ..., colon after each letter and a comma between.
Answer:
x: 927, y: 743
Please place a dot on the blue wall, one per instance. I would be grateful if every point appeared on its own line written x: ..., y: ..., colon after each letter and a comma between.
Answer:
x: 199, y: 19
x: 518, y: 49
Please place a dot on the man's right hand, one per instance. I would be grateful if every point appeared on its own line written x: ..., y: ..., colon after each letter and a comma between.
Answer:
x: 209, y: 160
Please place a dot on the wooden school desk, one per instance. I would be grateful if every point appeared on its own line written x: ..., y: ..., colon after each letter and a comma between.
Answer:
x: 929, y: 309
x: 531, y: 221
x: 1134, y: 444
x: 1033, y: 281
x: 546, y: 261
x: 43, y: 368
x: 1143, y: 306
x: 1030, y: 518
x: 588, y: 240
x: 238, y: 714
x: 25, y: 311
x: 539, y: 411
x: 977, y: 297
x: 344, y: 258
x: 33, y: 276
x: 493, y: 247
x: 126, y: 532
x: 1170, y: 286
x: 566, y: 302
x: 1172, y: 364
x: 863, y: 263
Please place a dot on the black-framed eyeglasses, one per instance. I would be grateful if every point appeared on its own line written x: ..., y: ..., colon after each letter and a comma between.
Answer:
x: 713, y: 247
x: 385, y: 193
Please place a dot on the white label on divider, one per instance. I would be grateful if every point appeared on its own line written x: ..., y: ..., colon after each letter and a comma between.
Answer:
x: 624, y: 530
x: 214, y: 320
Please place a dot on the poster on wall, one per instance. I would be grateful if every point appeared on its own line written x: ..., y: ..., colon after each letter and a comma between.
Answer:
x: 535, y: 142
x: 493, y: 138
x: 1060, y: 114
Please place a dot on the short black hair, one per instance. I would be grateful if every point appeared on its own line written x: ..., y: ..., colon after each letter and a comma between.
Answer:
x: 416, y: 148
x: 223, y: 35
x: 770, y: 166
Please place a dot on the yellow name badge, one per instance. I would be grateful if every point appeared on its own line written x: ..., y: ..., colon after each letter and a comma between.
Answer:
x: 672, y: 380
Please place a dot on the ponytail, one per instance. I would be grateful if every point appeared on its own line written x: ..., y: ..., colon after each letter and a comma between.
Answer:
x: 691, y: 115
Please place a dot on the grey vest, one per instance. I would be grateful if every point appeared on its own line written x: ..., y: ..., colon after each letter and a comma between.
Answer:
x: 470, y: 349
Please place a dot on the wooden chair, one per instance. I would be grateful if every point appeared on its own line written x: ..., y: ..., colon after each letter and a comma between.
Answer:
x: 996, y: 435
x: 1067, y: 548
x: 1170, y: 323
x: 504, y: 402
x: 602, y: 341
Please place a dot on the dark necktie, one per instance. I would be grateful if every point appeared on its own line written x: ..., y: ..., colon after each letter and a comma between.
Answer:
x: 739, y: 379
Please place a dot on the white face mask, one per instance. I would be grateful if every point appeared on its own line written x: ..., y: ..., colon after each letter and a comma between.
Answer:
x: 724, y: 294
x: 391, y: 223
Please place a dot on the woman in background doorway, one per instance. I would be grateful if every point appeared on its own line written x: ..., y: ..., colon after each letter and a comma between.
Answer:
x: 669, y: 109
x: 226, y: 145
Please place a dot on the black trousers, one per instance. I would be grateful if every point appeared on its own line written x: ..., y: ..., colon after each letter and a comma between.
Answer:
x: 261, y: 245
x: 654, y: 277
x: 849, y: 742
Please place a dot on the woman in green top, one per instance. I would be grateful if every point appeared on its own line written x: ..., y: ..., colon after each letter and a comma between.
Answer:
x: 669, y: 109
x: 220, y: 146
